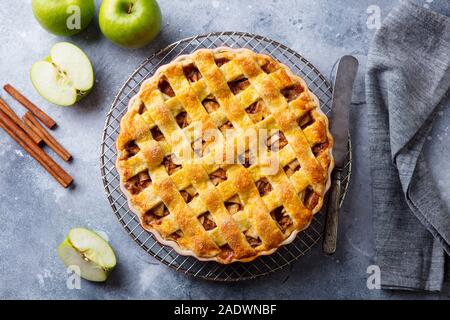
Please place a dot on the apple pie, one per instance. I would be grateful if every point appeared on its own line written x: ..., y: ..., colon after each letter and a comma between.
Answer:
x: 201, y: 205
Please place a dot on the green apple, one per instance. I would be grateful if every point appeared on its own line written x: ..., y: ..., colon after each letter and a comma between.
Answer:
x: 64, y: 17
x: 65, y: 76
x: 89, y: 252
x: 130, y: 23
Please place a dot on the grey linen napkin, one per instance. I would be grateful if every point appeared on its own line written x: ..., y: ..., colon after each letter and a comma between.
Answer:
x: 408, y: 78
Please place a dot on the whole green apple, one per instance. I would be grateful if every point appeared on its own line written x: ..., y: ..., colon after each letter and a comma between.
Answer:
x: 64, y: 17
x: 130, y: 23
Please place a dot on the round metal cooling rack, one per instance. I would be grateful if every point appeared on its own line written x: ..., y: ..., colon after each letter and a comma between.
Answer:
x: 186, y: 264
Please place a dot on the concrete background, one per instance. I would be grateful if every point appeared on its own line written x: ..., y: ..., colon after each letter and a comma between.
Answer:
x: 36, y: 213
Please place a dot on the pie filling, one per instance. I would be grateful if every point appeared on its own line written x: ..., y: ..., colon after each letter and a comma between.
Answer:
x: 233, y: 206
x: 176, y: 235
x: 221, y: 61
x: 155, y: 214
x: 188, y: 195
x: 203, y: 150
x: 218, y: 176
x: 291, y: 168
x: 157, y: 134
x: 165, y: 88
x: 207, y: 221
x: 305, y: 121
x: 257, y: 111
x: 311, y: 198
x: 269, y: 67
x: 246, y: 159
x: 142, y: 108
x: 264, y: 186
x: 170, y: 166
x: 239, y: 85
x: 131, y: 149
x: 191, y: 72
x: 183, y: 119
x: 138, y: 183
x: 277, y: 142
x: 318, y: 148
x: 210, y: 104
x: 292, y: 92
x: 226, y: 253
x: 253, y: 242
x: 282, y: 218
x: 226, y: 126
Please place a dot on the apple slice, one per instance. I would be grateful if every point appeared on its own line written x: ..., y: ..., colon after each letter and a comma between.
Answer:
x: 65, y: 76
x: 90, y: 252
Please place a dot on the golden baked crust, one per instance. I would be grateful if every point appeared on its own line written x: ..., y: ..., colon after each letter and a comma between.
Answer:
x: 207, y: 208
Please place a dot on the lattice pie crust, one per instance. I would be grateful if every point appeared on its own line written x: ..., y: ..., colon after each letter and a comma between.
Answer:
x: 208, y: 209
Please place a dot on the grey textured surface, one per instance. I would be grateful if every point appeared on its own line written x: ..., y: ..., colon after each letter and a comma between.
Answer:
x: 36, y: 212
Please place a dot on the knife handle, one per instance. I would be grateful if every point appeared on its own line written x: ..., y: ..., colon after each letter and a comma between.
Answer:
x: 331, y: 225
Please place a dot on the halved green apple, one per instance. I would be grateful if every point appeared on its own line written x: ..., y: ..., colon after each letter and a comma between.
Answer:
x: 88, y: 251
x: 64, y: 77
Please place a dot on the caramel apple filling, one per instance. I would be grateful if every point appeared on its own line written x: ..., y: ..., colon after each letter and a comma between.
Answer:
x: 157, y: 134
x: 131, y: 149
x: 292, y: 92
x: 191, y: 72
x: 226, y: 126
x: 311, y: 198
x: 221, y: 61
x: 253, y: 242
x: 226, y: 253
x: 203, y: 150
x: 277, y: 141
x: 282, y: 218
x: 263, y: 186
x: 291, y: 168
x: 269, y: 67
x: 257, y: 111
x: 138, y: 183
x: 210, y: 104
x: 239, y: 85
x: 318, y: 148
x: 188, y: 194
x: 246, y: 159
x: 165, y: 88
x: 183, y: 119
x: 305, y: 120
x: 155, y: 214
x: 218, y: 176
x: 176, y: 235
x: 170, y: 166
x: 233, y: 205
x: 207, y: 221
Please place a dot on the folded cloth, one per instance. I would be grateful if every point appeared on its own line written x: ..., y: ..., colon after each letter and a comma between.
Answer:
x: 408, y: 78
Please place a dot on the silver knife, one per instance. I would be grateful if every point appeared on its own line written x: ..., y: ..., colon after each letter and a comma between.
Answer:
x: 342, y: 96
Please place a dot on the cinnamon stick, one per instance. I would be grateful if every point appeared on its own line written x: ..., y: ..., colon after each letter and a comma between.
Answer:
x: 6, y: 109
x: 33, y: 149
x: 41, y: 115
x: 49, y: 140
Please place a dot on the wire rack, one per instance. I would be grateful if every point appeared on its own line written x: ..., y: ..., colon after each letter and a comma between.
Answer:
x: 189, y: 265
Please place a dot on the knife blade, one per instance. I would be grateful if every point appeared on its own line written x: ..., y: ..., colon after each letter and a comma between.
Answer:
x: 339, y: 128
